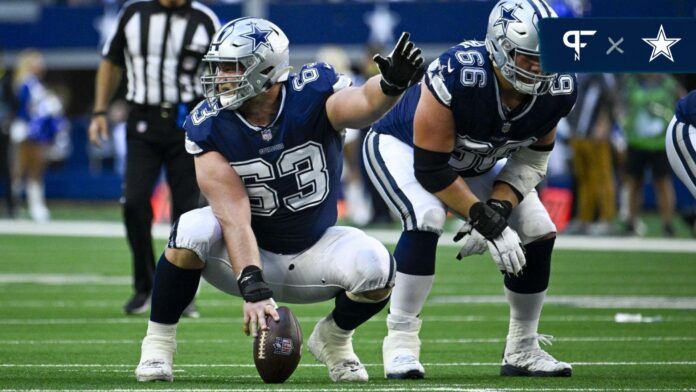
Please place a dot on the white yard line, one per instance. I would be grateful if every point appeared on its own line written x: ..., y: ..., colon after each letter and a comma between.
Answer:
x: 584, y: 339
x: 578, y: 301
x: 64, y: 279
x: 379, y: 319
x: 116, y: 229
x: 400, y: 387
x: 251, y: 365
x: 581, y: 301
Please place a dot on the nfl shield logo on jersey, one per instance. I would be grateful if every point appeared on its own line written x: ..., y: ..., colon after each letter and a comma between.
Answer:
x: 266, y: 135
x: 506, y: 127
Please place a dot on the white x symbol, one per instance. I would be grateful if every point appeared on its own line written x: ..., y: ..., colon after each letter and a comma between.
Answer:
x: 615, y: 45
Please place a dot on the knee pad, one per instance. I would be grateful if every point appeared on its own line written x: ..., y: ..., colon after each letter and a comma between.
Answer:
x: 530, y: 219
x: 375, y: 269
x: 433, y: 220
x: 370, y: 297
x: 535, y: 276
x: 196, y: 230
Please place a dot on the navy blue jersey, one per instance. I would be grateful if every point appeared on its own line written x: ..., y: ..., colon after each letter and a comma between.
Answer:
x: 686, y: 109
x: 463, y: 79
x: 291, y: 169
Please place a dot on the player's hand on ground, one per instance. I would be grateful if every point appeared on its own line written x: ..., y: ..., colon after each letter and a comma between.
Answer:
x: 402, y: 68
x: 98, y: 130
x: 507, y: 252
x: 473, y: 242
x: 255, y: 315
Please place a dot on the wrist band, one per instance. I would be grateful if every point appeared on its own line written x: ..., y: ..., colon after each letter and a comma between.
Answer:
x: 99, y: 113
x: 252, y: 287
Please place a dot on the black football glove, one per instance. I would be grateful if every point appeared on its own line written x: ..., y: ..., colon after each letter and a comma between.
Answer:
x: 490, y: 220
x: 486, y: 220
x: 502, y: 207
x: 402, y: 68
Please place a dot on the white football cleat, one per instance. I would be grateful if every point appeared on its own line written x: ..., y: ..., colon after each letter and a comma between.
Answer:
x: 333, y: 347
x: 401, y: 348
x: 524, y: 357
x: 156, y: 359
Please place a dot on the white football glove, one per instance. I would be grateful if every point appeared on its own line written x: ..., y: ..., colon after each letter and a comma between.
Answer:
x: 506, y: 249
x: 507, y: 252
x: 474, y: 243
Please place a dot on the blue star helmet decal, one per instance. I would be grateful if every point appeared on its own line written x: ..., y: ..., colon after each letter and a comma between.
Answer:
x: 260, y: 37
x: 507, y: 16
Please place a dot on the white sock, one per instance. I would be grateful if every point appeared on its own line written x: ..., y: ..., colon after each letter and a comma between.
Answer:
x: 36, y: 201
x: 159, y: 343
x: 525, y: 311
x: 409, y: 294
x: 161, y: 330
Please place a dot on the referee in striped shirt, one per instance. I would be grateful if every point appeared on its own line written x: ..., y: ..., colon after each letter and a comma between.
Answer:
x: 160, y: 43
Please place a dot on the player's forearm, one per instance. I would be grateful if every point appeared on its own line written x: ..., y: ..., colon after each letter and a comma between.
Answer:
x: 240, y: 241
x: 368, y: 104
x: 503, y: 191
x: 108, y: 79
x: 458, y: 197
x: 377, y: 99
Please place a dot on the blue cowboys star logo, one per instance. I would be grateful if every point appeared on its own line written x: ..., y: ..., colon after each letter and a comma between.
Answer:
x: 507, y: 16
x: 260, y: 37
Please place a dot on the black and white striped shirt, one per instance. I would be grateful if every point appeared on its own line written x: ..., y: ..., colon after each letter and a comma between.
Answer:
x: 596, y: 92
x: 161, y: 49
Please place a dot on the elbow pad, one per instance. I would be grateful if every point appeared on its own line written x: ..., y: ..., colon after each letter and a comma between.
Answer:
x: 432, y: 169
x: 526, y: 168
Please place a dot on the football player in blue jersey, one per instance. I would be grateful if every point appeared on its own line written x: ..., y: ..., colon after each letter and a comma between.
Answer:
x: 681, y: 141
x: 267, y: 146
x: 437, y: 150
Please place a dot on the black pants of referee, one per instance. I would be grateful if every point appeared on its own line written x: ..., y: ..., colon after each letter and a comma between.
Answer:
x: 153, y: 141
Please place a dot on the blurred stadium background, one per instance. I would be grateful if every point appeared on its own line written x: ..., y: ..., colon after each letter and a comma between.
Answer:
x: 69, y: 34
x: 62, y: 282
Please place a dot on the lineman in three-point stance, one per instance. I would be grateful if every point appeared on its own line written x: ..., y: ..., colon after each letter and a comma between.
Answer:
x: 437, y: 150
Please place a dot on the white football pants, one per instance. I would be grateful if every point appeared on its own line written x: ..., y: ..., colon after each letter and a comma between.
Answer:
x: 344, y: 258
x: 389, y: 163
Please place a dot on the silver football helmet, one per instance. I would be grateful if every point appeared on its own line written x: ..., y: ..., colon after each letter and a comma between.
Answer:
x: 513, y: 28
x: 246, y: 57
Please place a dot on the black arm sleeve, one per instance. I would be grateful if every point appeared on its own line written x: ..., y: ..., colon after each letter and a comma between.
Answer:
x: 432, y: 169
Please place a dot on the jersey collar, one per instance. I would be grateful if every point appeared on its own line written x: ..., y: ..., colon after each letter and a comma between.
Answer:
x: 503, y: 112
x: 280, y: 112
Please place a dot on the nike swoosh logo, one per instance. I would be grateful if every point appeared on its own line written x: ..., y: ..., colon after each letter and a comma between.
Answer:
x: 449, y: 67
x: 244, y: 279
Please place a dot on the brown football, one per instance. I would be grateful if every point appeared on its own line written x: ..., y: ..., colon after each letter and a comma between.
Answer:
x: 277, y: 351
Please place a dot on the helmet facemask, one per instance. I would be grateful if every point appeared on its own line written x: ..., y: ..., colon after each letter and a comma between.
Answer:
x: 524, y: 81
x: 226, y: 82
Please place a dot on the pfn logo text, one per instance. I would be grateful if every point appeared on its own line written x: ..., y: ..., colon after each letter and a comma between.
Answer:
x: 576, y: 44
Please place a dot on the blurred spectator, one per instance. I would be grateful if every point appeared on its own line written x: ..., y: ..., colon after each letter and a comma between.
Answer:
x: 590, y: 124
x: 7, y: 108
x: 39, y: 118
x: 649, y: 103
x: 356, y: 199
x: 163, y: 73
x: 381, y: 214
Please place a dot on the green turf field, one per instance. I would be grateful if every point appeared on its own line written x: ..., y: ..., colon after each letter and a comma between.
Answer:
x: 62, y: 329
